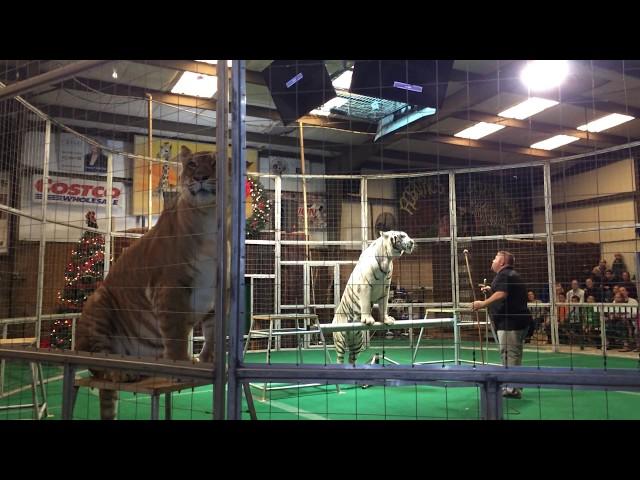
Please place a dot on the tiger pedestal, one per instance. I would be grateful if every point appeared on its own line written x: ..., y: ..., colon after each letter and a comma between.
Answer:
x: 39, y: 405
x: 154, y: 386
x: 310, y: 326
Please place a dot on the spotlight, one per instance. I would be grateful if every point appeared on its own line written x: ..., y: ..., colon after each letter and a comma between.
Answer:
x: 540, y: 75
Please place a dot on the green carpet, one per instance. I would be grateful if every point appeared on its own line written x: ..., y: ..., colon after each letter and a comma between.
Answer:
x: 353, y: 402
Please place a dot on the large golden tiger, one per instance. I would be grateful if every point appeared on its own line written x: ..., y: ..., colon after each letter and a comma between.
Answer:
x: 162, y: 285
x: 369, y: 283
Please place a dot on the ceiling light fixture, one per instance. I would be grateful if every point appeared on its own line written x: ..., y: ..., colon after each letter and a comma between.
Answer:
x: 529, y: 107
x: 605, y: 123
x: 196, y: 85
x: 479, y: 130
x: 554, y: 142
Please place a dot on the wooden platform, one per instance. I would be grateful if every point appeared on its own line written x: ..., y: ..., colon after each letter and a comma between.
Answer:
x: 151, y: 385
x: 154, y: 386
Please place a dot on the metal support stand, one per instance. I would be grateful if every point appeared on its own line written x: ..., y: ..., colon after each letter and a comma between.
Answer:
x: 249, y: 396
x: 272, y: 332
x: 456, y: 336
x: 375, y: 360
x: 38, y: 391
x: 69, y: 391
x: 491, y: 400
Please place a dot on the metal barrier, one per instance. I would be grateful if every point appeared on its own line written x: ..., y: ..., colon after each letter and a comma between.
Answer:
x: 488, y: 378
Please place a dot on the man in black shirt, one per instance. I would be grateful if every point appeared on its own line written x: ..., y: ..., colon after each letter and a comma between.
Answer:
x: 509, y: 313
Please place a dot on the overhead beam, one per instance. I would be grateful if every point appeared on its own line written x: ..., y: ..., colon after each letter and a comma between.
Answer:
x: 125, y: 135
x: 177, y: 127
x: 52, y: 76
x: 482, y: 145
x: 199, y: 67
x: 256, y: 78
x: 119, y: 89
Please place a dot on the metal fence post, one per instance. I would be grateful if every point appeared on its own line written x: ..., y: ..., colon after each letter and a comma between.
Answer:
x: 68, y: 394
x: 491, y: 400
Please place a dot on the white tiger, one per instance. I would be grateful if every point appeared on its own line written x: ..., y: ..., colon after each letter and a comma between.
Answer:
x: 368, y: 284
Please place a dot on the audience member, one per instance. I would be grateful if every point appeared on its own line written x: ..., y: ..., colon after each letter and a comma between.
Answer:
x: 590, y: 290
x: 576, y: 290
x: 592, y: 323
x: 537, y: 313
x: 630, y: 320
x: 618, y: 266
x: 626, y: 282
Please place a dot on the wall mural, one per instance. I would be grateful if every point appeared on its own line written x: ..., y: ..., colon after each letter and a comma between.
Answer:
x: 486, y: 205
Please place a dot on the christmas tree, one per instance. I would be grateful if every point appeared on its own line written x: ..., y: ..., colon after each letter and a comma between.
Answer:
x: 83, y: 276
x: 260, y: 207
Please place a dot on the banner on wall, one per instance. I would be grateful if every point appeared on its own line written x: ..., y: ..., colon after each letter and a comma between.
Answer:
x: 316, y: 212
x: 166, y: 179
x: 77, y: 156
x: 75, y: 191
x: 68, y: 200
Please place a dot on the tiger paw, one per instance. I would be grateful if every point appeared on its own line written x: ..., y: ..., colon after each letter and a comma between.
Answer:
x: 367, y: 319
x: 388, y: 320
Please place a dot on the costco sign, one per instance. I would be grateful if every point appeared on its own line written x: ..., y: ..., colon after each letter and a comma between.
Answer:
x: 75, y: 191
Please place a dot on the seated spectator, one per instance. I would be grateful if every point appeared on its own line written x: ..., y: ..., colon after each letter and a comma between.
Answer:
x: 562, y: 312
x: 571, y: 331
x: 537, y: 313
x: 576, y: 290
x: 629, y: 285
x: 616, y: 289
x: 591, y: 290
x: 559, y: 289
x: 637, y: 349
x: 615, y: 322
x: 607, y: 286
x: 630, y: 320
x: 592, y: 324
x: 618, y: 266
x: 598, y: 271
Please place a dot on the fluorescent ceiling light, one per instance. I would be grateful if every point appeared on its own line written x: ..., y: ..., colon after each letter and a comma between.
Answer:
x: 527, y: 108
x: 479, y: 130
x: 326, y: 108
x: 343, y: 82
x: 544, y: 74
x: 214, y: 62
x: 196, y: 84
x: 605, y: 123
x: 554, y: 142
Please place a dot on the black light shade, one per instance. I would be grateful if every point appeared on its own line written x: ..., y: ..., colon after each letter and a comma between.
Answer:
x: 298, y: 86
x: 416, y: 82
